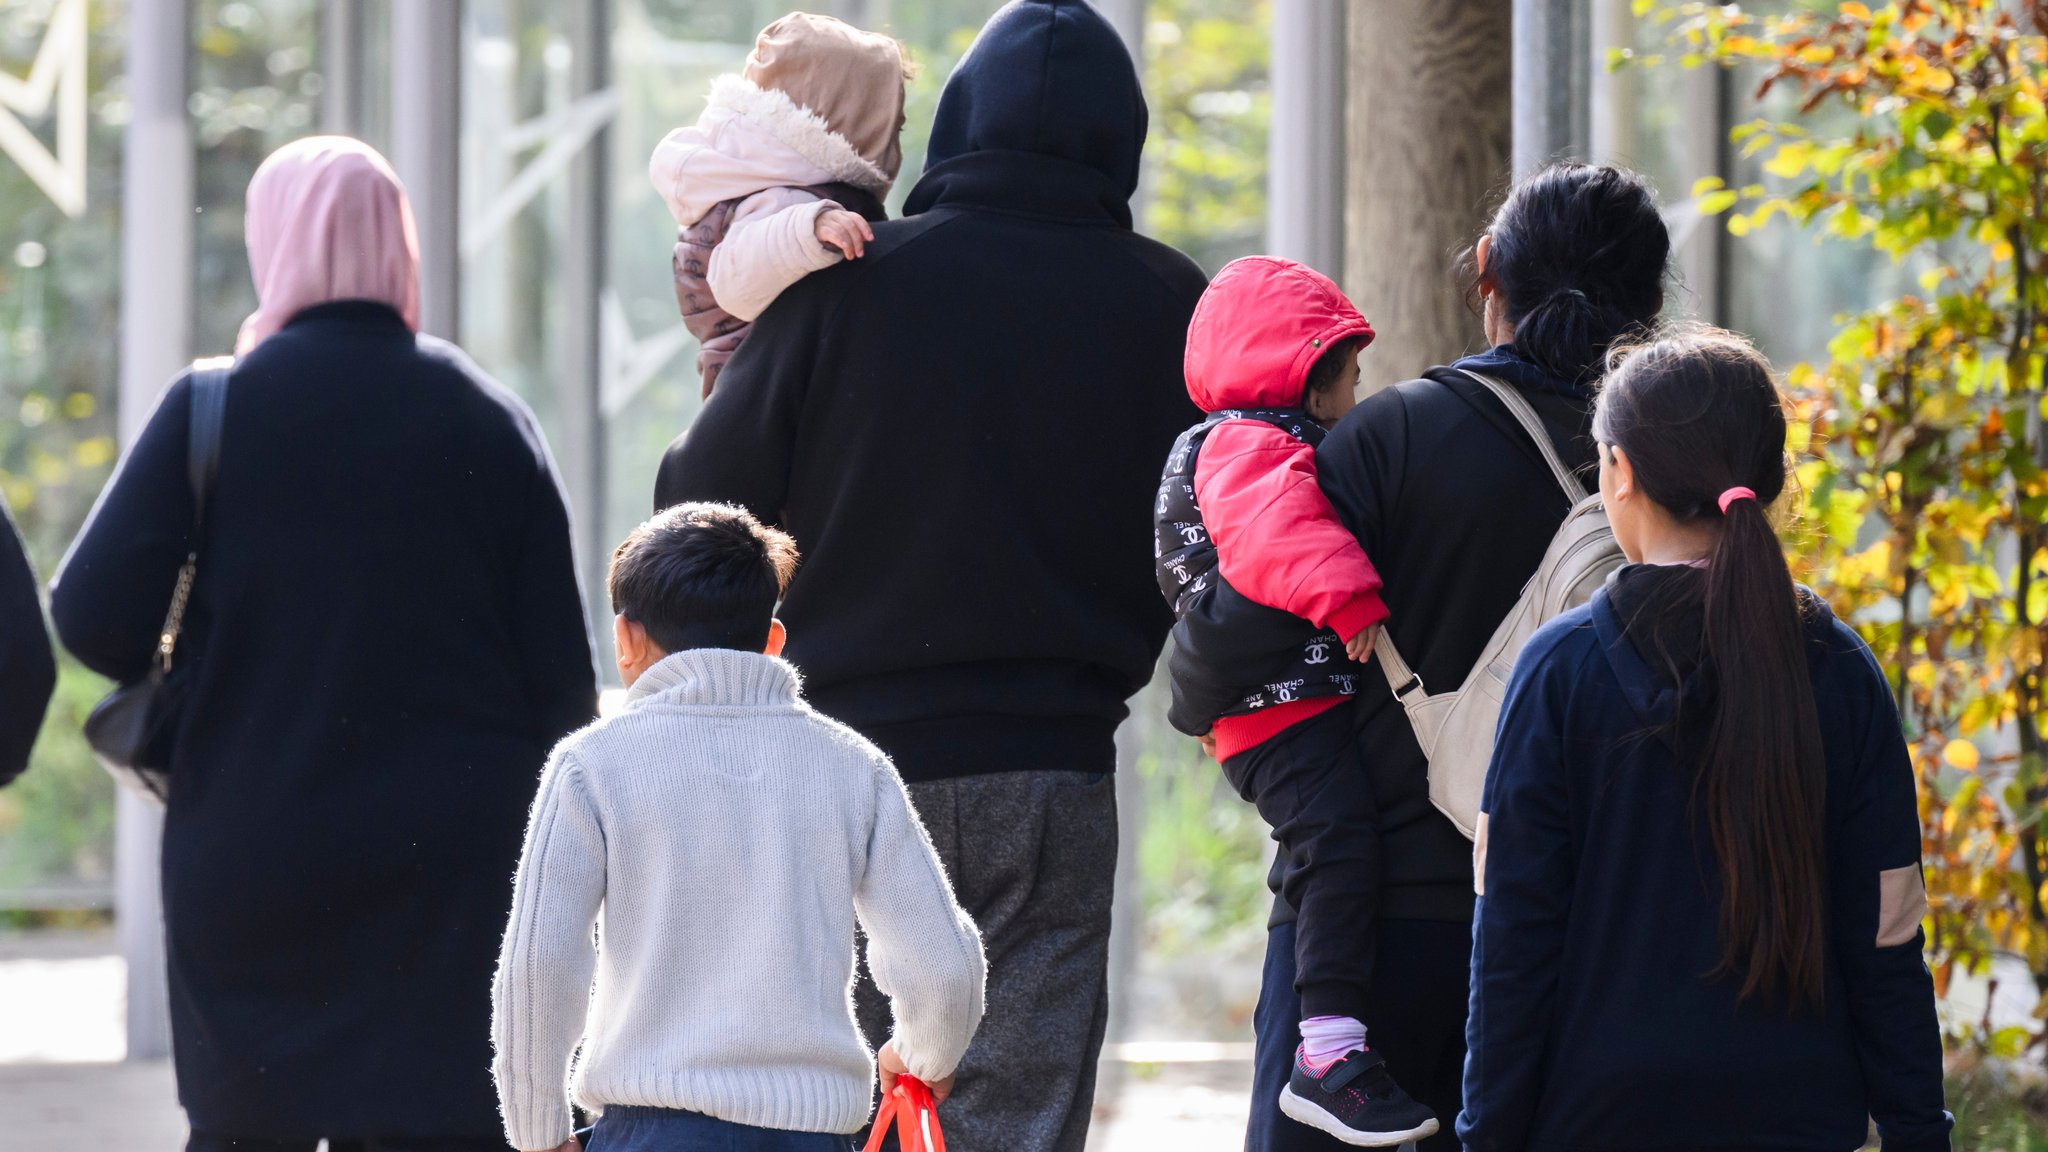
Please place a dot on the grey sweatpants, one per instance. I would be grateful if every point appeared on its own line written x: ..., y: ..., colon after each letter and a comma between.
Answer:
x: 1032, y: 857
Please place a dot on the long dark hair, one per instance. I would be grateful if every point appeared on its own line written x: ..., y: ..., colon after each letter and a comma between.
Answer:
x: 1579, y: 255
x: 1697, y: 414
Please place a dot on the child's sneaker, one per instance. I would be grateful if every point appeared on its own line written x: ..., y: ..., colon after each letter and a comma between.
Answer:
x: 1356, y: 1101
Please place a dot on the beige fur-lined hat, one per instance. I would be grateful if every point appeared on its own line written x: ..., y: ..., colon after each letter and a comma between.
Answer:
x: 850, y: 79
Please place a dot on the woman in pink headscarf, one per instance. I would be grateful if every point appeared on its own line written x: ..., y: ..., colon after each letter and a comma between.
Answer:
x: 385, y: 638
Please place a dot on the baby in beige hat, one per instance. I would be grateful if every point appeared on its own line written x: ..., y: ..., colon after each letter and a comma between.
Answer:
x: 782, y: 174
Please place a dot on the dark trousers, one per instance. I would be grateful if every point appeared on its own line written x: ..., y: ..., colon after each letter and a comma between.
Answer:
x: 1032, y: 857
x: 1417, y: 1021
x: 627, y: 1128
x: 211, y: 1142
x: 1309, y: 785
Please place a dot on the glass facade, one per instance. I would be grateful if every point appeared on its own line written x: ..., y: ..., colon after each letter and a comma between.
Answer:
x: 265, y: 71
x: 261, y: 72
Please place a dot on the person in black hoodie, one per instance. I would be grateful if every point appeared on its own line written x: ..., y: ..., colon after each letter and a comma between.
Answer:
x: 962, y: 430
x: 28, y: 674
x: 1699, y: 847
x: 1455, y: 505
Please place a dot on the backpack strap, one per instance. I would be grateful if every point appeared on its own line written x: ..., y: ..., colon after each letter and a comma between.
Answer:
x: 1400, y: 677
x: 1518, y: 407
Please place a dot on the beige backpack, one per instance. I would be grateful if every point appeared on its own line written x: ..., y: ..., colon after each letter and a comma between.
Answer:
x: 1456, y: 728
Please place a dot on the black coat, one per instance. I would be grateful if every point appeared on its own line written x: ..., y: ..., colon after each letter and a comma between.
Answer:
x: 390, y: 638
x: 27, y: 673
x: 1455, y: 506
x: 963, y: 428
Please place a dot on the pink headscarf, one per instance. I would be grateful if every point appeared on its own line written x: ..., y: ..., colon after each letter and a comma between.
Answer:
x: 328, y: 220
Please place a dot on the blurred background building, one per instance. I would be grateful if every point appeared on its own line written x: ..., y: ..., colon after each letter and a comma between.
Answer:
x: 1369, y: 138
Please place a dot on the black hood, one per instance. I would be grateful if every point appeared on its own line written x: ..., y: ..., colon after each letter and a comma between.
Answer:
x: 1651, y: 621
x: 1049, y: 80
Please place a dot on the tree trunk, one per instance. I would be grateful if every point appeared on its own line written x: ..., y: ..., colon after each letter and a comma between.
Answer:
x: 1429, y: 131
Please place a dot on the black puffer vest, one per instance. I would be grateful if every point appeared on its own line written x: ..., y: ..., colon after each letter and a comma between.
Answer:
x: 1227, y: 646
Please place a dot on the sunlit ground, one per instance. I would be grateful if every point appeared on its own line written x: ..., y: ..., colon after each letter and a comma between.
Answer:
x: 62, y: 1085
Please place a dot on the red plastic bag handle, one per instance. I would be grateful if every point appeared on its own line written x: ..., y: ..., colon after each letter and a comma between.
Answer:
x: 916, y: 1117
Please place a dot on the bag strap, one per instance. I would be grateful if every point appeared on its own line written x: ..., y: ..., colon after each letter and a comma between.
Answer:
x: 202, y: 451
x: 1518, y: 407
x: 1400, y: 677
x: 202, y: 466
x: 916, y: 1117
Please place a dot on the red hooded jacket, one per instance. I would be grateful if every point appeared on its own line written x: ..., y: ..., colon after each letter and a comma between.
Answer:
x: 1263, y: 323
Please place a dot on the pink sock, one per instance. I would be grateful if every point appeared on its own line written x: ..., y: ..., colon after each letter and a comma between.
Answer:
x: 1326, y: 1039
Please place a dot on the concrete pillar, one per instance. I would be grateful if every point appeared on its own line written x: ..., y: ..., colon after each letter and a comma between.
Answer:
x: 426, y: 137
x: 1703, y: 151
x: 156, y: 341
x: 343, y: 63
x: 1305, y: 137
x: 1126, y: 917
x: 1425, y: 164
x: 1128, y: 18
x: 1615, y: 104
x: 1552, y: 82
x: 581, y: 450
x: 874, y: 15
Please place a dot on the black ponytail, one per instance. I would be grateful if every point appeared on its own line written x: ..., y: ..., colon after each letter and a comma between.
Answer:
x: 1578, y: 255
x: 1701, y: 421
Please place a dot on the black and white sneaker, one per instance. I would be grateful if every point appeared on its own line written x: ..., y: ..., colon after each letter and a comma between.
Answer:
x: 1356, y: 1101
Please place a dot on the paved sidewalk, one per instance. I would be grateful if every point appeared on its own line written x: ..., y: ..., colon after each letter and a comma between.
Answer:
x: 63, y: 1087
x: 134, y: 1108
x: 100, y: 1107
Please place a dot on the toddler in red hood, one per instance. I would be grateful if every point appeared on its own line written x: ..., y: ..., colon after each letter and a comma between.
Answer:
x: 1276, y: 608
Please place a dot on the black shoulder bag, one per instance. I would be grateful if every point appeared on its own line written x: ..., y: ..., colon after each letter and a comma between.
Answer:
x: 134, y: 730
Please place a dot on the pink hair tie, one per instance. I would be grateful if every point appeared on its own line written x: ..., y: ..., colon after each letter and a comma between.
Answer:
x: 1733, y: 494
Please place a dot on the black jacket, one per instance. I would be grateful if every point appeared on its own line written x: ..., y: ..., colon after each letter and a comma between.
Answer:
x: 389, y: 639
x: 27, y: 673
x: 1454, y: 504
x: 963, y: 428
x: 1232, y: 655
x: 1592, y: 1024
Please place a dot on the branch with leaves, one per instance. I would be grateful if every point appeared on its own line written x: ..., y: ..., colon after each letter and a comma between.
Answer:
x: 1921, y: 432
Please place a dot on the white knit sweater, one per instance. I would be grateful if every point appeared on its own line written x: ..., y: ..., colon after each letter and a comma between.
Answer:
x: 723, y: 837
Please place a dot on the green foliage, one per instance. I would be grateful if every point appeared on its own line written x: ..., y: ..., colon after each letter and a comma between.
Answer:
x: 59, y: 311
x: 56, y: 821
x: 1206, y: 80
x: 1993, y: 1114
x: 1201, y: 863
x: 60, y: 294
x: 1925, y: 484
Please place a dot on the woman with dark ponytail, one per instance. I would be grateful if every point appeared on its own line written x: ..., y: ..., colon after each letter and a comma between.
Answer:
x: 1699, y: 920
x: 1435, y: 475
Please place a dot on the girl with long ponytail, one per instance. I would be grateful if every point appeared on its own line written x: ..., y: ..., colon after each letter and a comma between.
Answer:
x: 1700, y: 893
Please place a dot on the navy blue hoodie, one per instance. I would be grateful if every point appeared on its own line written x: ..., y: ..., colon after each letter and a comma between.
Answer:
x: 1592, y: 1026
x: 963, y: 428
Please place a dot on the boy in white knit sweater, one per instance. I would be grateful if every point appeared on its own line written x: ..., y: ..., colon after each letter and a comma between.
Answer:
x: 722, y: 838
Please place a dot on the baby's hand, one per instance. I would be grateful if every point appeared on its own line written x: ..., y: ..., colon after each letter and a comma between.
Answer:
x: 846, y: 231
x: 1360, y: 647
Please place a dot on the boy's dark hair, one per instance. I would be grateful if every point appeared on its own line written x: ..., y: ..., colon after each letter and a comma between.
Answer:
x: 1322, y: 375
x: 702, y: 576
